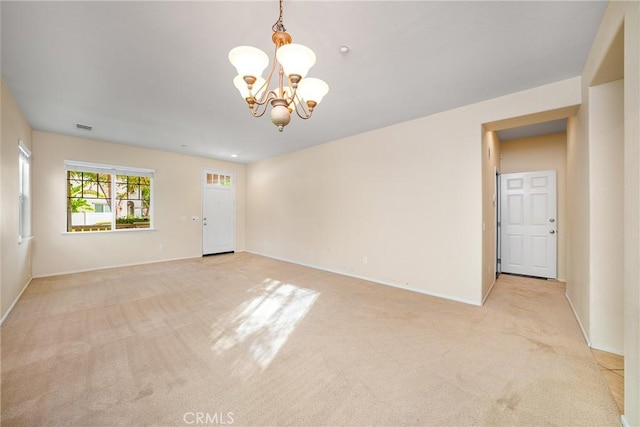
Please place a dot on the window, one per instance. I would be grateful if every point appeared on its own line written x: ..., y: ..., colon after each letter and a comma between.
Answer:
x: 104, y: 197
x: 24, y: 192
x: 218, y: 180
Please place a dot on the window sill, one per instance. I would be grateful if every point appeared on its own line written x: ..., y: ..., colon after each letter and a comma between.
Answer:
x: 123, y: 230
x: 22, y: 240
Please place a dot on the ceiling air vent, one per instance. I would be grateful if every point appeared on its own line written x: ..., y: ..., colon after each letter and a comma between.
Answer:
x: 84, y: 127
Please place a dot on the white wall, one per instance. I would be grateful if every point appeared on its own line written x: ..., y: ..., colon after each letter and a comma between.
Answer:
x: 176, y: 194
x: 581, y: 153
x: 578, y: 289
x: 15, y: 258
x: 606, y: 200
x: 631, y: 13
x: 546, y: 152
x: 400, y: 205
x: 490, y: 162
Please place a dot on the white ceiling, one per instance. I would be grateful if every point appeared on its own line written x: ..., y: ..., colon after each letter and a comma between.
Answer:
x: 537, y: 129
x: 156, y: 74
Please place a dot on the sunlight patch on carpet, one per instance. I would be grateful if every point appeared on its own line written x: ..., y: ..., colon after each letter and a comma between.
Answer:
x: 261, y: 325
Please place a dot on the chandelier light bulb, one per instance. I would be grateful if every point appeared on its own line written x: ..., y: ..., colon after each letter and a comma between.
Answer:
x: 312, y: 89
x: 296, y: 59
x: 248, y: 60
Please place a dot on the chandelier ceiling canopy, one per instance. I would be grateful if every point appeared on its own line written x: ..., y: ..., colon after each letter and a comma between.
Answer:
x: 292, y: 91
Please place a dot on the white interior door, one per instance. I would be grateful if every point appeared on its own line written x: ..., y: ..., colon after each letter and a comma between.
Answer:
x: 218, y: 212
x: 497, y: 211
x: 529, y: 223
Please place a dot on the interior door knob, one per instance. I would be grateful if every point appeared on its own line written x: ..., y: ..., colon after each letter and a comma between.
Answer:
x: 552, y: 231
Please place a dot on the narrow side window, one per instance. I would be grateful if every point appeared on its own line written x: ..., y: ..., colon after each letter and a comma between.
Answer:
x: 24, y: 191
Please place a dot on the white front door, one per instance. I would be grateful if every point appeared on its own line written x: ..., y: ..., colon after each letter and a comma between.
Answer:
x: 528, y: 223
x: 218, y: 212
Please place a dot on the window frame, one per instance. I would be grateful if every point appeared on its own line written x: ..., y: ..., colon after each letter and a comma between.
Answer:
x: 114, y: 171
x: 24, y: 193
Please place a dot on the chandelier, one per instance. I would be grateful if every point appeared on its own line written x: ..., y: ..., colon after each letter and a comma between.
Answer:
x: 294, y: 91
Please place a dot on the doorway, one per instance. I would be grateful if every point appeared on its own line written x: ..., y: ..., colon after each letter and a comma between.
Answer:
x: 528, y: 231
x: 218, y: 212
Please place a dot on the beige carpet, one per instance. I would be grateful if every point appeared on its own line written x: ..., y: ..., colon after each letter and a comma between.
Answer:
x: 242, y: 339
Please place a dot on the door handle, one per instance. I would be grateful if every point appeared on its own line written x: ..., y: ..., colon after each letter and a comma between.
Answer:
x: 552, y: 231
x: 552, y: 220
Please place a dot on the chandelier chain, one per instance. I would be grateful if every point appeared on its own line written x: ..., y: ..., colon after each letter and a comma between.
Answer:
x: 279, y: 26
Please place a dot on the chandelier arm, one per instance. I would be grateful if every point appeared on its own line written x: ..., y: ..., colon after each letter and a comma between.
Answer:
x: 281, y: 77
x: 301, y: 111
x: 258, y: 109
x: 255, y: 112
x: 268, y: 81
x: 265, y: 96
x: 262, y: 89
x: 294, y: 91
x: 306, y: 113
x: 268, y: 96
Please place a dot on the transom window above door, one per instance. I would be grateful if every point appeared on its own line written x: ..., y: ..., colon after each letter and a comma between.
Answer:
x: 219, y: 180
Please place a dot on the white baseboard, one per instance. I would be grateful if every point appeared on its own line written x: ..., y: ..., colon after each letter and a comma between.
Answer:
x: 489, y: 293
x: 355, y: 276
x: 14, y: 302
x: 623, y: 421
x: 608, y: 349
x: 575, y: 314
x: 114, y: 266
x: 584, y: 334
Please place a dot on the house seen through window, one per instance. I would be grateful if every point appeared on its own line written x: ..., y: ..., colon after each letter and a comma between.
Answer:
x: 104, y: 197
